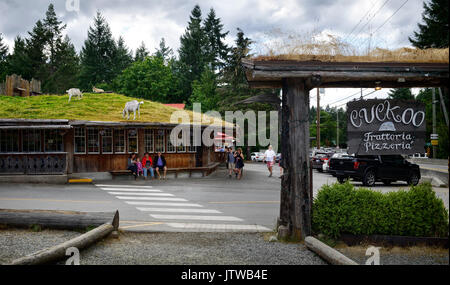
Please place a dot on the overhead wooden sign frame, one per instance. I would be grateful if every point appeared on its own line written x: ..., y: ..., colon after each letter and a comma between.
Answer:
x: 297, y: 78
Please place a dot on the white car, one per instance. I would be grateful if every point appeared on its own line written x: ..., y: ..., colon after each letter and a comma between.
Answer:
x: 260, y: 157
x: 257, y: 156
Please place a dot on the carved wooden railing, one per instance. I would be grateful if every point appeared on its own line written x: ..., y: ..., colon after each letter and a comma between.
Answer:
x: 33, y: 163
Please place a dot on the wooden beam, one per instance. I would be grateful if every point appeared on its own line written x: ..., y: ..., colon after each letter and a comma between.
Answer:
x: 58, y: 252
x: 295, y: 196
x: 68, y: 220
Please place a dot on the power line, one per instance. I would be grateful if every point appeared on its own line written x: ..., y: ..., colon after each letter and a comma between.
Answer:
x: 387, y: 20
x: 373, y: 16
x: 359, y: 92
x: 360, y: 21
x: 361, y: 97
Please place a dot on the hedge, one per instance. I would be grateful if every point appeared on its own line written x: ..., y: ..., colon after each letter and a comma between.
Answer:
x: 342, y: 208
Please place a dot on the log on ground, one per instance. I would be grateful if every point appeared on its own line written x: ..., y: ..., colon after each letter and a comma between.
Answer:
x: 67, y: 220
x: 328, y: 253
x: 58, y: 252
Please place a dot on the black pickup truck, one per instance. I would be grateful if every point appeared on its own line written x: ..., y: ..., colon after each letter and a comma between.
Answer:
x: 369, y: 169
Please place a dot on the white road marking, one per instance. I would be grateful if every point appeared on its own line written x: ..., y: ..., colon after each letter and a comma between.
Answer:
x: 224, y: 227
x: 177, y: 210
x: 191, y: 217
x: 151, y: 198
x: 142, y: 194
x: 163, y: 204
x: 130, y: 190
x: 124, y: 186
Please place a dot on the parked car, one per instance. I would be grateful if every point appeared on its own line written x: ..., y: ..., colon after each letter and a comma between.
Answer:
x: 418, y: 155
x: 257, y: 156
x: 335, y: 159
x: 372, y: 168
x: 319, y: 158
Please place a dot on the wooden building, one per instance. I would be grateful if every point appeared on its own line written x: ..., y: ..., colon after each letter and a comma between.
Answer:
x: 42, y: 146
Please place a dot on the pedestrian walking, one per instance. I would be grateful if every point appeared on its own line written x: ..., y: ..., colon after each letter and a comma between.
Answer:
x: 239, y: 159
x: 230, y: 161
x: 269, y: 158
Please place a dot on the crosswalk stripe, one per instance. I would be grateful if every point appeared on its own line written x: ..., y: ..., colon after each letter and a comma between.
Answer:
x: 151, y: 198
x: 142, y: 194
x: 177, y: 210
x: 131, y: 190
x: 163, y: 204
x: 123, y: 186
x: 193, y: 217
x: 226, y: 227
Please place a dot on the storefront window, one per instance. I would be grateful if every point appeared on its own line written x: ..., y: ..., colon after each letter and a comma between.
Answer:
x: 159, y: 141
x: 119, y: 141
x: 9, y: 141
x: 93, y: 138
x: 107, y: 141
x: 53, y: 141
x: 31, y: 141
x: 132, y: 141
x: 149, y: 140
x: 191, y: 147
x: 170, y: 147
x: 80, y: 140
x: 182, y: 147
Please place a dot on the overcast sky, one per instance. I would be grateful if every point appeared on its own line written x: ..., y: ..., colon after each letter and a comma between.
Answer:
x: 150, y: 20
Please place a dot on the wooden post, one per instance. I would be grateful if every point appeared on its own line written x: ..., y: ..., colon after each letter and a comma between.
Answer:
x: 318, y: 119
x: 296, y: 200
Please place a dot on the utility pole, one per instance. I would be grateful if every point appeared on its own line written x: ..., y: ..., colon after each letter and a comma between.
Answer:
x: 337, y: 129
x: 318, y: 120
x: 444, y: 108
x: 433, y: 91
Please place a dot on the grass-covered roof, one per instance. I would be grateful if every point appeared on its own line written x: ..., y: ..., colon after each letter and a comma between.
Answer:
x: 93, y: 107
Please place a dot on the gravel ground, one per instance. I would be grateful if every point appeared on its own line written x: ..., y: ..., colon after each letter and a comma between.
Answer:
x: 201, y: 249
x: 197, y: 249
x: 416, y: 255
x: 16, y: 243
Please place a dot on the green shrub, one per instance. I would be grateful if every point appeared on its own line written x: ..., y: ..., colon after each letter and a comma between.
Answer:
x: 342, y: 208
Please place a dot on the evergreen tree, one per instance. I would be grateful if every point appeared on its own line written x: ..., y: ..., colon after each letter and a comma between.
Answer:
x: 18, y: 62
x: 434, y: 33
x: 191, y: 53
x: 3, y: 59
x: 54, y: 38
x: 234, y: 73
x: 98, y: 55
x: 216, y: 50
x: 141, y: 53
x: 204, y: 91
x: 67, y: 62
x: 165, y: 52
x: 401, y: 94
x: 35, y: 49
x: 122, y: 57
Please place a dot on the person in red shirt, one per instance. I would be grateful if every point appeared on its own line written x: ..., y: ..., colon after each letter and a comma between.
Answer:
x: 147, y: 165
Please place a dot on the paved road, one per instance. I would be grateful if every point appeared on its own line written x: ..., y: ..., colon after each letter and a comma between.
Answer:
x: 215, y: 203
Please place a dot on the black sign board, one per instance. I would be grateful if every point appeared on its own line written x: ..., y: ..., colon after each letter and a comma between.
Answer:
x: 382, y: 127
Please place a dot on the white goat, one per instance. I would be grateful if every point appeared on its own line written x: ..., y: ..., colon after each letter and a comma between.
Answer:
x: 74, y: 92
x: 96, y: 90
x: 132, y: 106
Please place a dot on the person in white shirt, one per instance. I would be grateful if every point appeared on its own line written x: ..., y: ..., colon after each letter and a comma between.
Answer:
x: 269, y: 158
